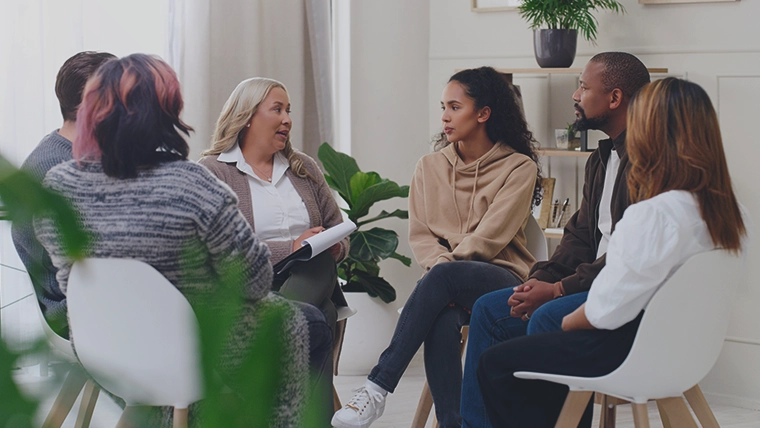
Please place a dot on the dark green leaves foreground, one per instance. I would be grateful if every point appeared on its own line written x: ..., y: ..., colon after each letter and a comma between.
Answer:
x: 361, y: 191
x: 23, y: 197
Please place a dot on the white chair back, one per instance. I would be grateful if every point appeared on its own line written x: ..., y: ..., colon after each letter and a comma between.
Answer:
x: 680, y: 336
x: 58, y: 345
x: 134, y: 332
x: 536, y: 240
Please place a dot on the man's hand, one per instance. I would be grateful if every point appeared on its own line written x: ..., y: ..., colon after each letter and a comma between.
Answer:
x: 529, y: 296
x: 577, y: 320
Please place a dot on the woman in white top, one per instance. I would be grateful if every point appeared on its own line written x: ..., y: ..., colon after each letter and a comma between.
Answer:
x: 683, y: 205
x: 281, y: 191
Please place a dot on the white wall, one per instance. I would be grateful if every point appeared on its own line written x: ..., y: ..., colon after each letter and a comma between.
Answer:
x: 716, y: 45
x: 389, y: 71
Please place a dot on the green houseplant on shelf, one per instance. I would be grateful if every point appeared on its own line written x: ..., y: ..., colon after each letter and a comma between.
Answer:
x: 556, y: 24
x: 360, y: 190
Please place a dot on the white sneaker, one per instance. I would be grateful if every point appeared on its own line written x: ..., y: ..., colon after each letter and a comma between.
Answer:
x: 361, y: 410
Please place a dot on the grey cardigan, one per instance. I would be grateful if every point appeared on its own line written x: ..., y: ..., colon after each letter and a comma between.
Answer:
x: 320, y: 204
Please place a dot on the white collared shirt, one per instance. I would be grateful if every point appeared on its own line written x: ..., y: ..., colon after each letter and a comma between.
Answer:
x: 605, y: 211
x: 654, y: 237
x: 279, y: 212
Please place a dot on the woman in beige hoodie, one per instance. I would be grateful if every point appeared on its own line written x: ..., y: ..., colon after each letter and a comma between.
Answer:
x: 469, y: 204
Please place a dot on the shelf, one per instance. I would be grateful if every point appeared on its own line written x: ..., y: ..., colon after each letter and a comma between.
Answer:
x: 561, y: 70
x: 564, y: 153
x: 553, y: 232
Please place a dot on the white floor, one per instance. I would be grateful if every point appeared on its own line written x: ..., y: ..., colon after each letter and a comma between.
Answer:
x: 399, y: 409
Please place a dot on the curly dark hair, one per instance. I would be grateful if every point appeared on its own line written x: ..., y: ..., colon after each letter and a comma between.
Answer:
x: 506, y: 125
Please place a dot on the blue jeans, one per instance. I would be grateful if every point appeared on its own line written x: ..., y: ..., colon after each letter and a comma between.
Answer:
x: 491, y: 324
x: 434, y: 314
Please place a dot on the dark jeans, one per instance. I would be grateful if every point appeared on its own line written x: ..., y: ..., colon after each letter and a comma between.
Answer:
x: 313, y: 282
x: 320, y: 360
x: 491, y: 324
x: 434, y: 314
x: 520, y: 403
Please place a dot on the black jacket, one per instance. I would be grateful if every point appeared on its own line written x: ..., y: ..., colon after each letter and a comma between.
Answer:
x: 574, y: 261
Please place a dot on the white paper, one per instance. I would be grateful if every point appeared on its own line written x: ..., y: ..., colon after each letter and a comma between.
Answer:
x: 327, y: 238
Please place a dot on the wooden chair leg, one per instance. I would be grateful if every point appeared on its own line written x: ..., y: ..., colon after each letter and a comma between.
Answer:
x: 127, y: 417
x: 609, y: 411
x: 336, y: 400
x: 73, y: 384
x: 699, y: 404
x: 640, y: 415
x: 423, y: 408
x: 89, y: 398
x: 663, y: 416
x: 180, y: 418
x: 572, y: 410
x: 677, y: 412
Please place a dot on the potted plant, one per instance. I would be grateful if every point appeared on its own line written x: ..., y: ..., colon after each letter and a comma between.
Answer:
x: 555, y: 45
x: 360, y: 191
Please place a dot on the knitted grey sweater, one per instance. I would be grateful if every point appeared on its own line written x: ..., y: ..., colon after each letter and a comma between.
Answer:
x: 184, y: 222
x: 51, y: 151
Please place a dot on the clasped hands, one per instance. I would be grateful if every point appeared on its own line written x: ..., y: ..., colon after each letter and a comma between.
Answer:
x: 528, y: 297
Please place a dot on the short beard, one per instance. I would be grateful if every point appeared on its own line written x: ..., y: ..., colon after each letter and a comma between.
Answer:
x: 584, y: 123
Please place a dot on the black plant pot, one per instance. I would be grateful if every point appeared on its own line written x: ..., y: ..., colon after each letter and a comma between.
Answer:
x: 555, y: 48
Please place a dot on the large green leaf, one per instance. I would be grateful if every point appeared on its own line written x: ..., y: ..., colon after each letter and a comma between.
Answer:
x: 340, y: 167
x: 376, y: 286
x: 403, y: 259
x: 373, y: 245
x: 402, y: 214
x: 362, y: 181
x: 381, y: 191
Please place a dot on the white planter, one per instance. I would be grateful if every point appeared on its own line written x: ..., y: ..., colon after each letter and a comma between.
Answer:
x: 368, y: 333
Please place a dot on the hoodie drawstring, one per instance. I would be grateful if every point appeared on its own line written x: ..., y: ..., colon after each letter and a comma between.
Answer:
x: 472, y: 197
x: 454, y: 191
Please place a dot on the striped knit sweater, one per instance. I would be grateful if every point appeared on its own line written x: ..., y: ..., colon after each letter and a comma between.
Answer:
x: 51, y: 151
x: 184, y: 222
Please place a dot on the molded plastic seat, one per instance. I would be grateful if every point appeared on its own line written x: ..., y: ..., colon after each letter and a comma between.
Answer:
x: 678, y: 341
x: 135, y: 334
x: 73, y: 384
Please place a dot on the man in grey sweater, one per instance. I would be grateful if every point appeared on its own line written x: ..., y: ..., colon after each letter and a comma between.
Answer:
x: 54, y: 148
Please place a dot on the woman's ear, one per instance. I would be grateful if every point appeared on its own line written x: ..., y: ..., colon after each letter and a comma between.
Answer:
x: 484, y: 114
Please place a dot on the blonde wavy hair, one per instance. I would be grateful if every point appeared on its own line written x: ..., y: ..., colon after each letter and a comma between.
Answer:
x: 237, y: 113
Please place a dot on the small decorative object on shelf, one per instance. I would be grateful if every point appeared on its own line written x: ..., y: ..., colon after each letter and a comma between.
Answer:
x: 567, y: 139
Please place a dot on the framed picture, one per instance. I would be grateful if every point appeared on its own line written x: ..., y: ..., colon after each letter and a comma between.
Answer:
x: 494, y: 5
x: 543, y: 211
x: 679, y: 1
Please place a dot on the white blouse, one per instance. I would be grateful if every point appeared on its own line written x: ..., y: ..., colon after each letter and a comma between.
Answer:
x: 279, y: 212
x: 650, y: 242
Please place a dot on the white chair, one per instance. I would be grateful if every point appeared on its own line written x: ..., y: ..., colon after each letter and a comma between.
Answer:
x: 75, y: 381
x: 677, y: 343
x: 536, y: 244
x: 344, y: 313
x: 135, y: 334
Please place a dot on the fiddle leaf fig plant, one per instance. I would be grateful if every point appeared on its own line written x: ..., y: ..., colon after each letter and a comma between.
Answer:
x: 361, y: 190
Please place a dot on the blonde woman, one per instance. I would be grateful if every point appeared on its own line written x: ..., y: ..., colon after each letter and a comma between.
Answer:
x: 281, y: 191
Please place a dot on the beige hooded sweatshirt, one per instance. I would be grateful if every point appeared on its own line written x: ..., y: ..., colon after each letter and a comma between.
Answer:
x: 472, y: 212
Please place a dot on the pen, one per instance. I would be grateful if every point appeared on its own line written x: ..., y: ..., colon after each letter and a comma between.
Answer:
x: 562, y: 212
x: 555, y: 209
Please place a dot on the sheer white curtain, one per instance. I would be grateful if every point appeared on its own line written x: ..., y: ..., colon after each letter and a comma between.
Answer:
x: 216, y: 44
x: 36, y: 37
